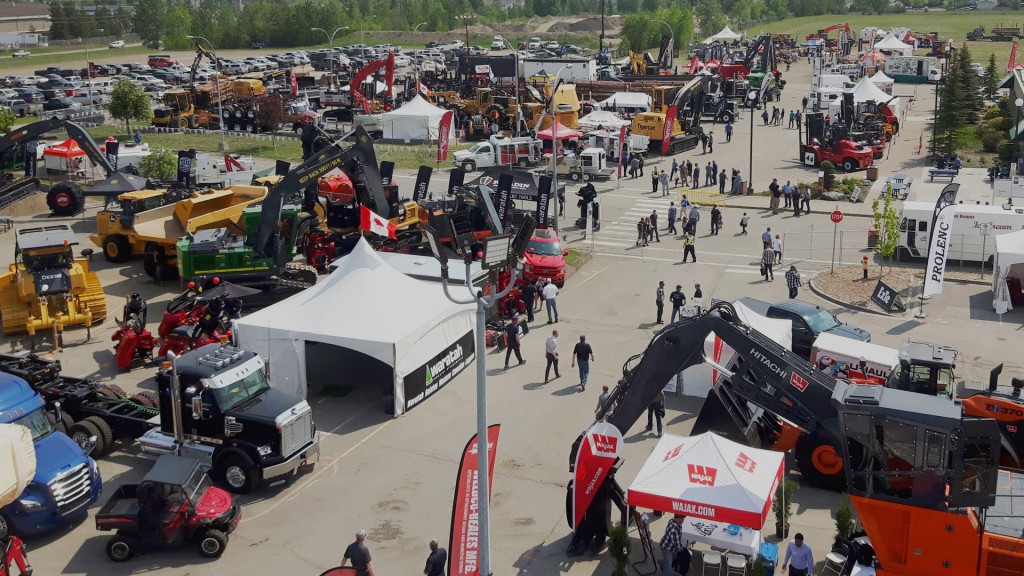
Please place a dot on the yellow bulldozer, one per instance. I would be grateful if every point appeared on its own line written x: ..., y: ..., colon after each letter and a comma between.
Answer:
x: 46, y: 286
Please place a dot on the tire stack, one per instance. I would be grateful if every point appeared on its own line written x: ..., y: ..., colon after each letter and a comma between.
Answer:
x: 240, y: 118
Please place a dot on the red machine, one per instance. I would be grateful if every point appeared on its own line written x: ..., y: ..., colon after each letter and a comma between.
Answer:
x: 846, y: 153
x: 338, y: 188
x: 133, y: 341
x: 14, y: 554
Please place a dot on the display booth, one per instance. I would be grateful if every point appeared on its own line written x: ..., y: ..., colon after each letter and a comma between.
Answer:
x: 416, y: 120
x: 65, y: 157
x: 726, y: 35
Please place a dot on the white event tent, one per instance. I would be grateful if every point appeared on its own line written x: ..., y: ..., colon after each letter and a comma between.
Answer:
x: 369, y: 308
x: 866, y: 91
x: 726, y: 35
x: 628, y: 101
x: 1009, y: 263
x: 602, y: 118
x: 892, y: 44
x: 417, y: 119
x: 884, y: 82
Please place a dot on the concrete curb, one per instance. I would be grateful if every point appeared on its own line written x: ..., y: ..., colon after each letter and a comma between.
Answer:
x: 842, y: 303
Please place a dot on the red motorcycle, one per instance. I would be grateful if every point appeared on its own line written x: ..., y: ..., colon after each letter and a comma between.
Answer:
x: 133, y: 341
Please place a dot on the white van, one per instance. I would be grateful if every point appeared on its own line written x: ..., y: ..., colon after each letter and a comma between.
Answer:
x: 966, y: 241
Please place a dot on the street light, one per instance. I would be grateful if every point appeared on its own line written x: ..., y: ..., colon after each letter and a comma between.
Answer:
x: 519, y: 105
x: 220, y: 100
x: 417, y: 27
x: 330, y: 37
x: 554, y: 146
x: 671, y: 41
x: 752, y: 97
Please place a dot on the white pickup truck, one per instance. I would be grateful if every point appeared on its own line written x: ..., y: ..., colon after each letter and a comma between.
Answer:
x: 496, y: 151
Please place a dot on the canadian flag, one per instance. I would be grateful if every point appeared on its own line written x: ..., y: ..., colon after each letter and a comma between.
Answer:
x: 422, y: 89
x: 371, y: 222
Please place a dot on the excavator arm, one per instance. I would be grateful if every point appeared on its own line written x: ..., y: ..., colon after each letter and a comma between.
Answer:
x: 34, y: 130
x: 200, y: 52
x: 387, y: 64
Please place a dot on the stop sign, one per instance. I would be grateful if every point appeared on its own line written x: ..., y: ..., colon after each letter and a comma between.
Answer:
x: 837, y: 217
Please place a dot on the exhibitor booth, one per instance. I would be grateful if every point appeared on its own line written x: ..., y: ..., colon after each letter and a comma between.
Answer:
x: 369, y: 322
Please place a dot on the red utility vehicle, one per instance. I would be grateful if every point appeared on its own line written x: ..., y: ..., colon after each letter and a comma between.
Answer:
x: 545, y: 258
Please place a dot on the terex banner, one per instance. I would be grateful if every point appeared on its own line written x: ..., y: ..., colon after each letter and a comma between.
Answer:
x: 443, y: 134
x: 598, y: 451
x: 666, y: 134
x: 439, y: 370
x: 464, y: 542
x: 421, y: 190
x: 942, y: 225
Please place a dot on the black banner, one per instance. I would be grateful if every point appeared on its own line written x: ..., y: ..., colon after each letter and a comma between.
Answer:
x: 439, y: 370
x: 185, y: 158
x: 387, y: 171
x: 455, y: 179
x: 281, y: 168
x: 112, y: 147
x: 504, y: 196
x: 30, y: 158
x: 543, y: 201
x: 421, y: 190
x: 887, y: 298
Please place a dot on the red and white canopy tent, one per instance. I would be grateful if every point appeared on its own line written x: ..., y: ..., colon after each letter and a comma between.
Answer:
x: 709, y: 477
x: 563, y: 132
x: 61, y: 157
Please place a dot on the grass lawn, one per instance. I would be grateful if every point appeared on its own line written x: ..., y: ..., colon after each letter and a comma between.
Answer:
x: 73, y: 60
x: 954, y: 24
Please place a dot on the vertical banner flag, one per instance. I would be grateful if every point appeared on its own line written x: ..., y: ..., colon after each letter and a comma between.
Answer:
x: 455, y: 179
x: 622, y: 147
x: 443, y: 134
x: 504, y: 195
x: 111, y: 148
x: 419, y: 192
x: 598, y: 451
x: 293, y: 83
x: 387, y: 172
x: 464, y: 542
x: 942, y: 224
x: 544, y: 196
x: 185, y: 158
x: 31, y: 147
x: 666, y: 135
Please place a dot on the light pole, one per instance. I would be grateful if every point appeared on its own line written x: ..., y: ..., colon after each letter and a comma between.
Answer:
x: 417, y: 27
x: 752, y: 98
x: 330, y: 37
x: 220, y: 100
x: 671, y: 41
x: 519, y: 105
x: 465, y: 49
x: 554, y: 145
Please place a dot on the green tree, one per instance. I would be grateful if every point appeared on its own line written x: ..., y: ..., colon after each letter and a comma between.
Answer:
x: 887, y: 223
x: 709, y: 14
x: 128, y: 102
x: 148, y: 22
x: 161, y: 164
x: 6, y: 120
x: 991, y: 80
x: 971, y: 96
x: 951, y: 114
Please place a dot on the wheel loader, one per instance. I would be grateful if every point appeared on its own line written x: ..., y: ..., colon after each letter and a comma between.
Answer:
x: 47, y: 286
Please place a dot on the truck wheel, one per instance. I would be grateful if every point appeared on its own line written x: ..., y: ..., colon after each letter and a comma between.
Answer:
x: 236, y: 126
x: 82, y: 431
x: 65, y: 199
x: 523, y: 162
x: 820, y: 459
x: 586, y: 177
x: 850, y: 165
x: 116, y: 248
x: 575, y: 177
x: 240, y: 475
x: 181, y: 123
x: 106, y: 434
x: 237, y: 112
x: 302, y: 234
x: 212, y: 543
x: 193, y: 121
x: 65, y: 424
x: 120, y: 548
x: 727, y: 117
x: 226, y: 114
x: 111, y: 391
x: 468, y: 167
x: 250, y: 127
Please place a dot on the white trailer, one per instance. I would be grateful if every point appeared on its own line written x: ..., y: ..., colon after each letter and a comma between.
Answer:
x: 588, y: 164
x: 972, y: 238
x: 912, y: 69
x: 582, y: 69
x: 608, y: 140
x: 848, y: 359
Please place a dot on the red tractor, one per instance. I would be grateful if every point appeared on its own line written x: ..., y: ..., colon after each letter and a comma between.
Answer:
x: 825, y: 144
x: 175, y: 504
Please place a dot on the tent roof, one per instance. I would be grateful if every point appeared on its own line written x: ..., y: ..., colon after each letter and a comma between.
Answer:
x: 562, y: 130
x: 418, y: 106
x: 364, y: 290
x: 891, y: 42
x: 867, y: 90
x: 880, y: 78
x: 66, y: 149
x: 1012, y: 243
x: 709, y: 477
x: 725, y: 34
x: 603, y: 118
x: 627, y: 99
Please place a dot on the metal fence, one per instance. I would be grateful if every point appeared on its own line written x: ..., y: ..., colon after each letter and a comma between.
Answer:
x: 818, y: 242
x: 94, y: 41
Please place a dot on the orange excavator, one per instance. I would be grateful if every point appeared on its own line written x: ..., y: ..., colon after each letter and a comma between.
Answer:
x: 843, y: 39
x: 388, y: 65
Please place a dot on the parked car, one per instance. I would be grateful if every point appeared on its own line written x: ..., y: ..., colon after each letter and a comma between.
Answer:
x: 552, y: 45
x: 809, y: 320
x: 61, y: 103
x: 137, y: 67
x: 96, y: 99
x: 21, y: 54
x: 30, y: 94
x: 545, y: 258
x: 234, y: 67
x: 32, y: 80
x: 8, y: 93
x: 116, y: 44
x: 535, y: 43
x: 18, y: 107
x: 477, y: 51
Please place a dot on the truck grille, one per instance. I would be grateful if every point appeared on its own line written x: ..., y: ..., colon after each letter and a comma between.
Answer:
x: 72, y: 490
x: 297, y: 434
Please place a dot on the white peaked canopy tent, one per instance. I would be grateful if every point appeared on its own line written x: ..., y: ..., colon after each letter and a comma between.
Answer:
x: 368, y: 307
x: 632, y: 101
x: 892, y: 44
x: 1009, y: 262
x: 603, y: 118
x: 867, y: 90
x: 709, y: 477
x: 417, y: 119
x: 726, y: 35
x: 884, y: 83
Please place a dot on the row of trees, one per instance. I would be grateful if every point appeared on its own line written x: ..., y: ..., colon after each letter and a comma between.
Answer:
x: 68, y: 21
x: 960, y: 102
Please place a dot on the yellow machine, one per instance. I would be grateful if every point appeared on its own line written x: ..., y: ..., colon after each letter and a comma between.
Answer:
x: 47, y: 286
x: 114, y: 224
x: 159, y: 228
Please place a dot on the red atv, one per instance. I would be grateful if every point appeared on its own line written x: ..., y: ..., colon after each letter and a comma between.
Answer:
x: 133, y: 341
x: 175, y: 504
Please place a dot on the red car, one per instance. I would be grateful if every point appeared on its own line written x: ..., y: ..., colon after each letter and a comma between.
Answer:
x: 545, y: 258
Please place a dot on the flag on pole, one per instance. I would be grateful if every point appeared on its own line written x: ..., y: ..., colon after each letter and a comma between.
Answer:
x: 422, y: 89
x: 371, y: 222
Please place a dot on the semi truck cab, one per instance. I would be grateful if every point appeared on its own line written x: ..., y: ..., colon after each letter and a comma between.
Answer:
x: 67, y: 480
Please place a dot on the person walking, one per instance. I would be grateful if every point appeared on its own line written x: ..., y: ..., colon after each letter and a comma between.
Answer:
x: 435, y: 560
x: 766, y: 238
x: 551, y: 354
x: 709, y: 175
x: 601, y: 399
x: 782, y: 116
x: 583, y: 354
x: 698, y: 297
x: 721, y: 182
x: 793, y: 281
x: 688, y: 248
x: 673, y: 213
x: 675, y: 169
x: 657, y: 409
x: 663, y: 178
x: 777, y: 248
x: 806, y: 201
x: 776, y: 194
x: 671, y: 543
x: 691, y: 221
x: 678, y: 300
x: 703, y: 143
x: 538, y: 288
x: 550, y: 299
x: 654, y: 181
x: 688, y: 173
x: 634, y: 166
x: 799, y: 117
x: 696, y: 175
x: 728, y: 131
x: 767, y: 260
x: 359, y: 555
x: 641, y: 231
x: 647, y: 231
x: 716, y: 219
x: 528, y: 292
x: 711, y: 142
x: 799, y: 557
x: 513, y: 341
x: 714, y: 172
x: 654, y: 226
x: 659, y: 302
x: 803, y: 103
x: 743, y: 224
x: 640, y: 165
x: 764, y: 116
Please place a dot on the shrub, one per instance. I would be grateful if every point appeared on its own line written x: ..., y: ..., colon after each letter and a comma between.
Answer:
x: 991, y: 139
x: 993, y: 112
x: 830, y: 174
x: 1006, y: 150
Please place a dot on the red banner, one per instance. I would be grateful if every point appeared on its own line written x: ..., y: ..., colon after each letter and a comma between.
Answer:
x: 293, y: 83
x: 464, y: 543
x: 598, y: 451
x: 444, y: 133
x: 666, y: 135
x: 622, y: 147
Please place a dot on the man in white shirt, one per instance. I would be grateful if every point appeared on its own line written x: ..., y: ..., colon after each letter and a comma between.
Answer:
x: 550, y: 293
x: 799, y: 557
x: 551, y: 353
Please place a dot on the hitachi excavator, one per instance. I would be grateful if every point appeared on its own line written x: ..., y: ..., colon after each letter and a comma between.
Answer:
x: 923, y: 478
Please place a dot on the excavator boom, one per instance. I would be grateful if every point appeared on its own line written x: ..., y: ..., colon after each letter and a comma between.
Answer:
x: 34, y: 130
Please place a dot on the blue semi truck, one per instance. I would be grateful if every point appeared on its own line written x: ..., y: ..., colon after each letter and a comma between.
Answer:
x: 67, y: 480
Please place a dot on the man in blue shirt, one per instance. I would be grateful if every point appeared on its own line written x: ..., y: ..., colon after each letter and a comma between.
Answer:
x: 799, y: 557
